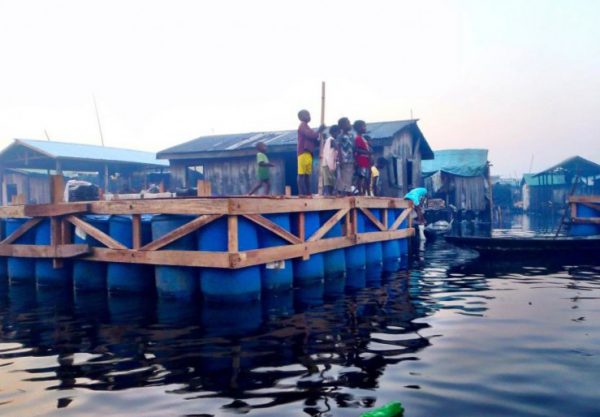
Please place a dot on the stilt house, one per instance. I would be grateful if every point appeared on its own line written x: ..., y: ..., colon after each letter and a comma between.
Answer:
x: 461, y: 177
x: 549, y: 189
x: 25, y: 166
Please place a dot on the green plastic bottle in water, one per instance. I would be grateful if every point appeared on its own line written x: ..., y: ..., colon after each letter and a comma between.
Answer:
x: 391, y: 409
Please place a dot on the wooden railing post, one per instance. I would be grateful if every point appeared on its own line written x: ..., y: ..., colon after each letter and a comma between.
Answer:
x: 232, y: 234
x: 136, y: 230
x: 56, y: 239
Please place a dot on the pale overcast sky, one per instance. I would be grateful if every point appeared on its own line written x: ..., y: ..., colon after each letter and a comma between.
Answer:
x: 521, y: 78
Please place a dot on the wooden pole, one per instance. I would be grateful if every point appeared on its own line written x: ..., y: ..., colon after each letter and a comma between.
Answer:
x: 323, y: 136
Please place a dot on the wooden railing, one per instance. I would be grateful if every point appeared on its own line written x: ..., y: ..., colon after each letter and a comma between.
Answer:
x: 64, y: 216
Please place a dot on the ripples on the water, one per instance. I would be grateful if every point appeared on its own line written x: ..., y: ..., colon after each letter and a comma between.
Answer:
x: 454, y: 336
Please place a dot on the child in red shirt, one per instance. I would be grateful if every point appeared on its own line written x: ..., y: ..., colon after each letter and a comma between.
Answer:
x: 362, y: 157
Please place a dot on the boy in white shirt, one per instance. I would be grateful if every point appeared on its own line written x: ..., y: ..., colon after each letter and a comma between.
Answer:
x: 329, y: 161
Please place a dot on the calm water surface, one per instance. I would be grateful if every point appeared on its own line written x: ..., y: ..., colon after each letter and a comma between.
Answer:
x: 453, y: 336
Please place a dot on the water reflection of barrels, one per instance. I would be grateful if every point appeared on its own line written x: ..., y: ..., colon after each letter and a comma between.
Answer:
x: 228, y: 320
x: 374, y: 275
x: 310, y: 294
x: 129, y: 278
x: 224, y: 285
x: 90, y: 276
x: 178, y: 282
x: 356, y: 279
x: 334, y: 286
x: 20, y: 270
x: 278, y: 304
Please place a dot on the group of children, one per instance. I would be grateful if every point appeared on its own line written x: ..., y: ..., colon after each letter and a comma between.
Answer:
x: 347, y: 166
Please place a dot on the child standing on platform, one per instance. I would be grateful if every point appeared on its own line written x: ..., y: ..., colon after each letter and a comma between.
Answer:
x: 329, y: 162
x: 262, y: 169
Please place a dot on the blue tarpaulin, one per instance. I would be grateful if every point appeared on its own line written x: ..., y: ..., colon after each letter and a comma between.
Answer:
x: 461, y: 162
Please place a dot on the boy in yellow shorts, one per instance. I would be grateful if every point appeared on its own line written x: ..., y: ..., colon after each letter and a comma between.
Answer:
x: 308, y: 140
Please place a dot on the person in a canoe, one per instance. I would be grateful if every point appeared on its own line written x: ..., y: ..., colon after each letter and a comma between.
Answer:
x: 308, y: 140
x: 262, y: 169
x: 418, y: 197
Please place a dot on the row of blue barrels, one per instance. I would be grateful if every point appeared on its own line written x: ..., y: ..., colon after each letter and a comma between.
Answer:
x: 583, y: 229
x: 215, y: 284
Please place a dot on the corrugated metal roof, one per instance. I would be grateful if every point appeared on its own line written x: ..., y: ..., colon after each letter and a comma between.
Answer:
x: 533, y: 180
x: 462, y: 162
x: 215, y: 143
x: 576, y: 165
x: 65, y: 150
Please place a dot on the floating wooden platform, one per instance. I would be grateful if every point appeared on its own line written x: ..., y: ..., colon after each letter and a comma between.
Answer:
x: 64, y: 217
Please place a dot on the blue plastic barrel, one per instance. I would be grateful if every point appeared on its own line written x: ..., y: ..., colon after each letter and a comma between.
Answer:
x: 225, y: 285
x: 374, y: 251
x: 45, y: 273
x: 20, y: 270
x: 356, y: 256
x: 312, y: 269
x: 391, y: 248
x: 334, y: 260
x: 276, y: 276
x: 87, y: 275
x: 403, y: 243
x: 3, y: 266
x: 178, y: 282
x: 129, y: 278
x: 582, y: 229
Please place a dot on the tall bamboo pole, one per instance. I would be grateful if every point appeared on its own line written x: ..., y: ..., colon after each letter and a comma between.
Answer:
x: 322, y: 141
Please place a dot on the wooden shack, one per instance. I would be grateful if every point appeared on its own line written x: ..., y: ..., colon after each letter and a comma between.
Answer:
x: 229, y: 161
x: 461, y: 177
x: 550, y: 188
x: 25, y: 166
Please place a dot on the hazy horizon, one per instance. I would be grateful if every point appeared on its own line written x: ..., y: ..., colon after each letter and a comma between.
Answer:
x: 521, y: 79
